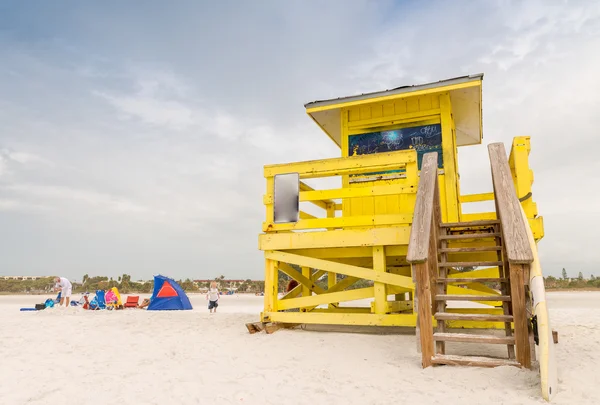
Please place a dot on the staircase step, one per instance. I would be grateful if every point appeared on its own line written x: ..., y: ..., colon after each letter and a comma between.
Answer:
x: 454, y: 360
x: 472, y: 280
x: 447, y: 316
x: 446, y: 297
x: 469, y: 338
x: 470, y: 236
x: 470, y: 264
x: 469, y: 224
x: 471, y: 249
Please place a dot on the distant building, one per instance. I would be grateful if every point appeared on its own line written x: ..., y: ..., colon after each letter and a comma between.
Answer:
x: 22, y: 277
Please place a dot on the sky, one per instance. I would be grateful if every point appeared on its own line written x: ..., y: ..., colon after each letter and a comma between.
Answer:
x: 133, y: 134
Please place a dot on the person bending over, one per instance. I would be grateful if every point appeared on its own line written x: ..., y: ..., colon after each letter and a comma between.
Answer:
x: 65, y: 288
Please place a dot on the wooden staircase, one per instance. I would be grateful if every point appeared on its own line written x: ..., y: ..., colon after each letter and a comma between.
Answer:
x: 476, y: 232
x: 501, y: 243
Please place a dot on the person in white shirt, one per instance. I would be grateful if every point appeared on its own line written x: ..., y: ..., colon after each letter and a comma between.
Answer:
x: 213, y: 297
x: 65, y: 288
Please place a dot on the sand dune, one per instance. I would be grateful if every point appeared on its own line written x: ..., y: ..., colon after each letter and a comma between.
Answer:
x: 193, y: 357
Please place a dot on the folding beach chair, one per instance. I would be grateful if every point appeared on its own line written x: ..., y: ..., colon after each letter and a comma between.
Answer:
x: 132, y: 301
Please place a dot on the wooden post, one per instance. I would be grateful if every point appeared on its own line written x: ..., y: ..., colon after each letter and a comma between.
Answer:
x: 424, y: 313
x: 381, y: 305
x: 517, y: 289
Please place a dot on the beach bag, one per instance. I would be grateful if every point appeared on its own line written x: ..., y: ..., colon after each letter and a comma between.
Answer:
x: 39, y: 307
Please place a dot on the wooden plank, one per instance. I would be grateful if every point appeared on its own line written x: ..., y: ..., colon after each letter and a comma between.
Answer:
x: 469, y: 236
x: 476, y: 361
x: 346, y: 269
x: 447, y: 297
x: 517, y: 291
x: 471, y: 249
x: 344, y: 165
x: 272, y: 327
x: 470, y: 264
x: 340, y: 222
x: 418, y: 247
x: 471, y: 338
x: 515, y: 238
x: 424, y: 313
x: 470, y: 198
x: 469, y: 224
x: 322, y: 203
x: 357, y: 192
x: 340, y: 318
x: 472, y: 317
x: 472, y: 280
x: 304, y: 215
x: 398, y: 235
x: 254, y: 327
x: 484, y: 273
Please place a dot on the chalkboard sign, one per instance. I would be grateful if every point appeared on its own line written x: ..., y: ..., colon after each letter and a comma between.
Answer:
x: 423, y: 138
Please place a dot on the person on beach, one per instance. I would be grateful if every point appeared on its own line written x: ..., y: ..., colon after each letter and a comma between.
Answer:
x: 65, y: 288
x: 213, y: 297
x: 144, y: 303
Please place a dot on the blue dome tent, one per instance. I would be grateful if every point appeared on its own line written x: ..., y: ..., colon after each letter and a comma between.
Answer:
x: 168, y: 295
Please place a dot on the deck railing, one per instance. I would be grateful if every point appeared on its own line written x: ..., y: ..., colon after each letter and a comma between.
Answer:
x: 376, y: 165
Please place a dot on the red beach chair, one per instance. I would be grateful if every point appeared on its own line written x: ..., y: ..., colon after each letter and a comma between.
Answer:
x: 132, y: 301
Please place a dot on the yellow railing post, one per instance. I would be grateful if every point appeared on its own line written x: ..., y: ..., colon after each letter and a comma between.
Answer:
x: 379, y: 264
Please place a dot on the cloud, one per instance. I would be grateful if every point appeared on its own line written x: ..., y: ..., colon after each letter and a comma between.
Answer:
x: 135, y: 142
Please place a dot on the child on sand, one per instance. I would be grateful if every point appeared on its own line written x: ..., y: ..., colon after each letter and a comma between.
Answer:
x: 213, y: 297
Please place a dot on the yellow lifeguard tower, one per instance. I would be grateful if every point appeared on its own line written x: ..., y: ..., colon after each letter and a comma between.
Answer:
x: 397, y: 226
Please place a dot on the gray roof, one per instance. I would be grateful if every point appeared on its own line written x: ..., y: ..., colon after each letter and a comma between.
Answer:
x: 397, y: 90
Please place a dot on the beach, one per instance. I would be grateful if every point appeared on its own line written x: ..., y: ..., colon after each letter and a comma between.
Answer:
x: 194, y: 357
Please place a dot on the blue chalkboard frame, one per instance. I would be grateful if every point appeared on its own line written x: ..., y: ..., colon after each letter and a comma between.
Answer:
x: 422, y: 138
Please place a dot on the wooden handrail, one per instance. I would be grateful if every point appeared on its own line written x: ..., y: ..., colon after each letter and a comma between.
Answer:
x: 422, y: 252
x: 516, y: 242
x: 420, y: 232
x: 516, y: 247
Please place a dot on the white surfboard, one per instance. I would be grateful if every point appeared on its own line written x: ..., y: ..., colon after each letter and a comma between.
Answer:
x: 546, y: 355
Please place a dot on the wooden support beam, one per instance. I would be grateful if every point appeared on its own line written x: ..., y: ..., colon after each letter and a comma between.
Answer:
x: 327, y: 298
x: 348, y: 270
x: 517, y: 290
x: 296, y: 291
x: 296, y: 275
x: 424, y: 311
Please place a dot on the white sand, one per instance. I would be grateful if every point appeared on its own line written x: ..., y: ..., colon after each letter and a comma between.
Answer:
x: 192, y: 357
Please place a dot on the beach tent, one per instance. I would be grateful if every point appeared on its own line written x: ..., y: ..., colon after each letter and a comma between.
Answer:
x: 168, y: 295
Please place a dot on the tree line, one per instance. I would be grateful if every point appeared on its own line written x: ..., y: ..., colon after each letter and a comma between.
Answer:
x: 45, y: 285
